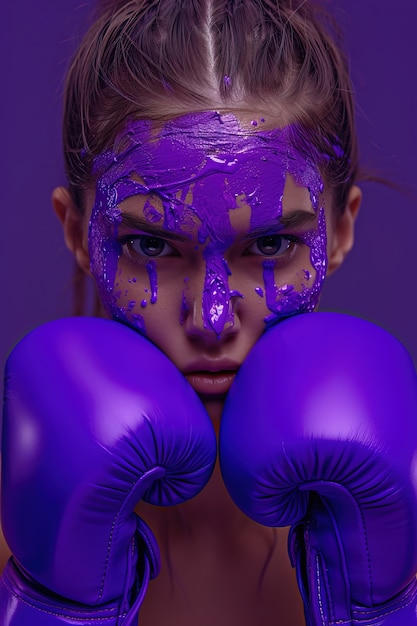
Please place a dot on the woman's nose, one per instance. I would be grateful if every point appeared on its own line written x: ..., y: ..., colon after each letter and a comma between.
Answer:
x: 210, y: 324
x: 212, y: 313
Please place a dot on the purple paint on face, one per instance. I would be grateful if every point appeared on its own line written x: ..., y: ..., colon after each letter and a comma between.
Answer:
x: 201, y: 166
x: 151, y: 213
x: 143, y: 304
x: 259, y: 291
x: 105, y: 250
x: 216, y: 295
x: 285, y: 300
x: 138, y: 323
x: 153, y: 280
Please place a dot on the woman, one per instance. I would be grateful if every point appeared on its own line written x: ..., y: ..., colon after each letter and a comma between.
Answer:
x: 211, y: 159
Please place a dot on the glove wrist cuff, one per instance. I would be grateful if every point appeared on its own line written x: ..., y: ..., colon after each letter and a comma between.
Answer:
x: 24, y: 601
x: 399, y: 611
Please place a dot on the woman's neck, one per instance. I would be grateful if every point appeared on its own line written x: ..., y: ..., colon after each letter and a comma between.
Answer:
x: 212, y: 511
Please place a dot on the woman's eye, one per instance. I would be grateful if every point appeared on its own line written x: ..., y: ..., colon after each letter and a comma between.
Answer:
x: 271, y: 245
x: 146, y: 245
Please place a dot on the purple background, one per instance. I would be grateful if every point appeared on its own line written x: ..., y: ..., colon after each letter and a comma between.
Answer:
x: 378, y: 280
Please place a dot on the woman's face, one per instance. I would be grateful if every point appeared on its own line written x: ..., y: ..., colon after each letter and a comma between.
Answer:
x: 204, y: 233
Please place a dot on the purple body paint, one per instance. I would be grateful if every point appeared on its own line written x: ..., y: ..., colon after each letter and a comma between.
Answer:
x: 285, y: 300
x: 151, y: 213
x: 216, y: 294
x: 138, y: 323
x: 153, y: 280
x: 201, y: 167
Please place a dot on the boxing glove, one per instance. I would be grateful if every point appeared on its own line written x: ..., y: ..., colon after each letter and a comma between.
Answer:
x: 319, y: 432
x: 95, y: 418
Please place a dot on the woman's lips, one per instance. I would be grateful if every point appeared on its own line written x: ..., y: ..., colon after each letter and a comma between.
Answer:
x: 211, y: 383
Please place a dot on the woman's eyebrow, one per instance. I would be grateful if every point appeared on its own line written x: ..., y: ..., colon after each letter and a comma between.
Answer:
x: 138, y: 223
x: 294, y: 219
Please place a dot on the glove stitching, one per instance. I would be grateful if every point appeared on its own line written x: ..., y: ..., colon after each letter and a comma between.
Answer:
x: 106, y: 564
x: 319, y: 590
x: 115, y: 519
x: 368, y: 558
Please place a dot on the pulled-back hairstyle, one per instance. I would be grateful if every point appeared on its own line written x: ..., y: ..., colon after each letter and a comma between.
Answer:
x: 159, y: 58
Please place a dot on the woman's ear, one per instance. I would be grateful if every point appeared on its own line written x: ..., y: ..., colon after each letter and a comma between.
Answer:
x: 344, y: 230
x: 73, y: 223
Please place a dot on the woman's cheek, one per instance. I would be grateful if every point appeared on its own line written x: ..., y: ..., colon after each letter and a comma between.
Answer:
x: 129, y: 297
x: 301, y: 292
x: 283, y: 286
x: 156, y: 292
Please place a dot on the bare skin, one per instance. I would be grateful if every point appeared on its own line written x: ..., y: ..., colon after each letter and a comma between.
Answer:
x: 219, y: 567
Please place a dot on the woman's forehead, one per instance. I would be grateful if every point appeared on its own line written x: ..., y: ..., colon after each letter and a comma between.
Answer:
x: 206, y: 165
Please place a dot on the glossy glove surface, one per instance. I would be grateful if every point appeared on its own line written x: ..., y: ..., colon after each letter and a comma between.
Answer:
x: 319, y: 432
x: 95, y: 418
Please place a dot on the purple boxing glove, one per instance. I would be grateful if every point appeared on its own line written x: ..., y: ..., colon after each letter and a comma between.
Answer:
x: 95, y: 419
x: 319, y: 432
